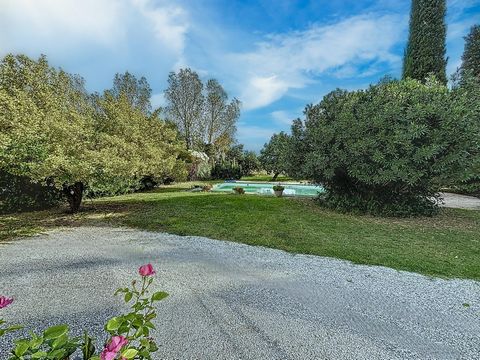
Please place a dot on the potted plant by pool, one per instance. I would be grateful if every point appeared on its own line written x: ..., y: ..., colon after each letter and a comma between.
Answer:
x: 278, y: 190
x: 238, y: 190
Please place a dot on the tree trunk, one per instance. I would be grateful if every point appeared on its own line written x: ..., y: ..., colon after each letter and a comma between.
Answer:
x: 275, y: 176
x: 74, y: 194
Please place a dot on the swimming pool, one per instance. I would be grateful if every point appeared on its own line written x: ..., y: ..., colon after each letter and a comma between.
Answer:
x: 267, y: 188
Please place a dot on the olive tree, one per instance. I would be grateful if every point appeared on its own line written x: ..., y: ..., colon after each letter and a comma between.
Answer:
x: 274, y: 154
x: 52, y: 130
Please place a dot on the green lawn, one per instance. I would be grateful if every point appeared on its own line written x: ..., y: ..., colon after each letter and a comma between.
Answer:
x: 447, y: 245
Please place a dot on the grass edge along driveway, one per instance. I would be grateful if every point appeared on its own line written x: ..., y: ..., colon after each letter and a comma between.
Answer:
x: 447, y: 245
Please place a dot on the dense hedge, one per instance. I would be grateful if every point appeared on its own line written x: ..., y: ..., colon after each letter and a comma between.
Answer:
x: 385, y: 150
x: 18, y: 193
x: 226, y: 171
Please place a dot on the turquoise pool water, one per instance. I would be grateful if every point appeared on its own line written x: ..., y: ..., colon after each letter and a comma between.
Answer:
x: 267, y: 188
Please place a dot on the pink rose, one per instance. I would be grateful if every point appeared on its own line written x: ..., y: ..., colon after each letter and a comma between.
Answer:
x: 4, y: 301
x: 113, y: 347
x: 146, y: 270
x: 117, y: 343
x: 107, y: 355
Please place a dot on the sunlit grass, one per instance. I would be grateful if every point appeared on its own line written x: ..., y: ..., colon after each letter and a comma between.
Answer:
x: 447, y: 245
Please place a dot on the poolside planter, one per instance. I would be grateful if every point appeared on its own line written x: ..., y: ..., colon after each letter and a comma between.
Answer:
x: 278, y: 193
x: 266, y: 188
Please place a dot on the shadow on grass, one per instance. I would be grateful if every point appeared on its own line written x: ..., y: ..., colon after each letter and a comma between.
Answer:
x: 446, y: 245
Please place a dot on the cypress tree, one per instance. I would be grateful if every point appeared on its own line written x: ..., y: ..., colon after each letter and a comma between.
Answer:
x: 471, y: 54
x: 425, y: 52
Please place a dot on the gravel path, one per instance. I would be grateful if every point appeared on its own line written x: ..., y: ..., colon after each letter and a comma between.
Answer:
x: 233, y: 301
x: 460, y: 201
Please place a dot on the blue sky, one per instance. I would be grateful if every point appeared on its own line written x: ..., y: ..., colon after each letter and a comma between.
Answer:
x: 275, y: 56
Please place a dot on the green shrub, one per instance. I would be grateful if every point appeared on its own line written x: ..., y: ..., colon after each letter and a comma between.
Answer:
x: 382, y: 150
x: 466, y: 101
x: 278, y: 188
x: 226, y: 171
x: 19, y: 193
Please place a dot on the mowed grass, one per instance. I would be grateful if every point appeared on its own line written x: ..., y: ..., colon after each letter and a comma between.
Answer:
x: 446, y: 246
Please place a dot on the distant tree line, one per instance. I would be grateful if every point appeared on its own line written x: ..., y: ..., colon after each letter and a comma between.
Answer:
x: 57, y: 140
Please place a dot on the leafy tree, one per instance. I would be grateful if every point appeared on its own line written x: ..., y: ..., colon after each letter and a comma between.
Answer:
x: 136, y: 91
x: 51, y: 129
x: 425, y: 52
x: 203, y: 115
x: 466, y: 102
x: 46, y: 124
x: 220, y: 117
x: 297, y: 142
x: 185, y: 104
x: 135, y: 145
x: 382, y: 150
x: 249, y: 163
x: 274, y: 155
x: 234, y: 153
x: 471, y: 54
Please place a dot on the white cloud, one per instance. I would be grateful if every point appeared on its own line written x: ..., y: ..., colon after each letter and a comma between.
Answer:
x: 282, y: 117
x: 294, y: 59
x: 60, y: 20
x: 60, y: 26
x: 169, y: 23
x: 262, y: 91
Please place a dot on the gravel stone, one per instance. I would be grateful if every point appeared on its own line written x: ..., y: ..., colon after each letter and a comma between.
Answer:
x: 234, y: 301
x: 460, y: 201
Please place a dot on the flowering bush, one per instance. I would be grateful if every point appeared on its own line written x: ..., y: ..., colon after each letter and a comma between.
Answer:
x: 128, y: 334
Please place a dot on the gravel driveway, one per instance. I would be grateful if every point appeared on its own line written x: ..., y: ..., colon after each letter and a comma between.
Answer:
x: 233, y: 301
x: 460, y: 201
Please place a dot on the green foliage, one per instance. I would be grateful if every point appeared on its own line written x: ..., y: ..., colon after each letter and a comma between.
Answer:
x: 129, y: 333
x: 185, y: 104
x: 278, y: 188
x: 136, y: 325
x: 51, y: 128
x: 226, y: 170
x: 18, y: 193
x: 426, y: 48
x: 219, y: 117
x: 136, y: 91
x: 423, y: 245
x: 383, y: 150
x: 249, y: 163
x: 274, y: 155
x: 466, y: 104
x: 4, y: 329
x: 471, y: 54
x: 202, y: 114
x: 54, y: 343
